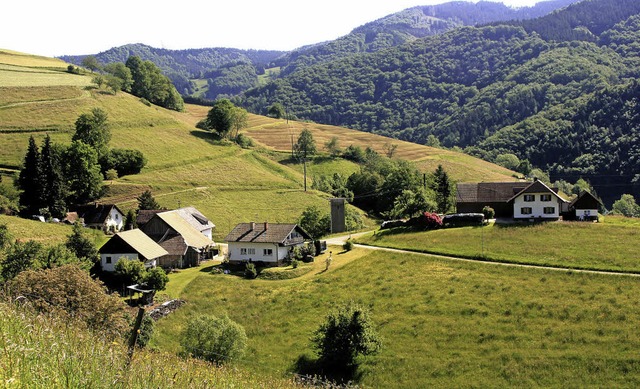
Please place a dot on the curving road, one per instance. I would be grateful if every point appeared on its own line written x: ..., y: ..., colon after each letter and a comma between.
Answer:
x: 339, y: 241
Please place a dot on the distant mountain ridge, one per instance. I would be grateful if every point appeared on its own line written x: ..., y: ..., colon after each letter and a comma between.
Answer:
x: 227, y: 74
x: 413, y: 23
x: 182, y: 65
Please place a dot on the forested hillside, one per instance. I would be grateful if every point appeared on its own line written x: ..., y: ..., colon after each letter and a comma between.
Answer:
x: 493, y: 90
x: 411, y: 24
x: 228, y: 72
x: 183, y: 65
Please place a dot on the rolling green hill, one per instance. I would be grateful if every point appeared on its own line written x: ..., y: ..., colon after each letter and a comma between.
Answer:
x: 186, y: 165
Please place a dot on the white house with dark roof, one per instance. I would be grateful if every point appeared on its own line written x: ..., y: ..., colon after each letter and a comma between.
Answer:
x: 264, y: 242
x: 132, y: 245
x: 519, y: 200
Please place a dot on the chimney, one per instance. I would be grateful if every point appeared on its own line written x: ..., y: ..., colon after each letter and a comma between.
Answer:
x: 266, y: 226
x: 253, y: 226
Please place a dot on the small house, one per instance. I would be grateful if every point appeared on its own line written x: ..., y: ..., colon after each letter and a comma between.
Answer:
x: 585, y: 207
x: 133, y: 245
x: 264, y: 242
x: 106, y: 217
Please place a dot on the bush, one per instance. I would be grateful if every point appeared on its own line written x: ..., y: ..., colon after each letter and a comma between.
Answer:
x: 345, y: 334
x: 488, y: 212
x: 214, y: 339
x: 295, y: 263
x: 156, y: 278
x: 123, y: 161
x: 71, y: 292
x: 244, y: 141
x: 250, y: 271
x: 111, y: 174
x: 348, y: 245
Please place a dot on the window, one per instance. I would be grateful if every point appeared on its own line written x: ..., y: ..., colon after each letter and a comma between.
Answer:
x: 529, y: 198
x: 526, y: 210
x: 107, y: 260
x: 252, y: 251
x: 549, y: 210
x: 243, y: 251
x: 267, y: 252
x: 545, y: 197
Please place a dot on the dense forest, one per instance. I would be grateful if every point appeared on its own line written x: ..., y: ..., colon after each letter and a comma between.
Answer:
x: 505, y: 88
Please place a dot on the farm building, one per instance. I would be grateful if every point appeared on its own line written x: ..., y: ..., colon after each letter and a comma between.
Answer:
x: 133, y: 245
x: 517, y: 200
x: 264, y: 242
x: 190, y: 214
x: 186, y: 245
x: 107, y: 217
x: 584, y: 207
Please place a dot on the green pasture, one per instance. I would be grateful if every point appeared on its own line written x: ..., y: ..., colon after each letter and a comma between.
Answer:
x: 46, y: 233
x: 443, y: 323
x: 612, y: 245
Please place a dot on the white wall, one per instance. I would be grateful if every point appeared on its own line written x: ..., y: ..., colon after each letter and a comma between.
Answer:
x: 115, y: 219
x: 235, y: 252
x: 585, y: 213
x: 114, y: 259
x: 537, y: 207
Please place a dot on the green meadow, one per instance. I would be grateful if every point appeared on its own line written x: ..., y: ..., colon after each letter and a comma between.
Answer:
x: 46, y: 233
x: 443, y: 323
x: 610, y: 245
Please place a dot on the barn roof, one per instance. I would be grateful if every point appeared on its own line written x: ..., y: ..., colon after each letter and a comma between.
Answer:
x: 137, y: 241
x: 192, y: 237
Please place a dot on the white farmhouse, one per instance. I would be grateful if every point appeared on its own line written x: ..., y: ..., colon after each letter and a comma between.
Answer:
x: 537, y: 202
x: 132, y: 245
x: 264, y: 242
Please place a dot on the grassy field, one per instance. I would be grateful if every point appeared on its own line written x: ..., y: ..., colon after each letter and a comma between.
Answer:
x: 611, y: 245
x: 443, y: 323
x: 47, y: 233
x: 10, y: 57
x: 38, y: 352
x: 276, y: 134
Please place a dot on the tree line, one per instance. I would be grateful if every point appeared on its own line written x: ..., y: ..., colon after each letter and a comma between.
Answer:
x: 55, y: 177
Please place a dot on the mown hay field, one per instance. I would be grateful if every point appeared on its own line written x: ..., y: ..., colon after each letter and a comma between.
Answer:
x: 443, y: 323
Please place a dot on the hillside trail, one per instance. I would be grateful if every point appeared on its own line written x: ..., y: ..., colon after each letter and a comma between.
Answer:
x: 339, y: 240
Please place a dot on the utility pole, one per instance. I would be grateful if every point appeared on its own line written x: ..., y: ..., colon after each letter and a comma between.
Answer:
x: 304, y: 162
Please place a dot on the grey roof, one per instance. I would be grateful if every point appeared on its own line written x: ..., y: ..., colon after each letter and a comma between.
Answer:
x: 267, y: 233
x: 195, y: 218
x: 488, y: 192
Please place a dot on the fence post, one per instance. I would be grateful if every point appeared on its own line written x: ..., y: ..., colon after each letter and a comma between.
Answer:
x: 134, y: 334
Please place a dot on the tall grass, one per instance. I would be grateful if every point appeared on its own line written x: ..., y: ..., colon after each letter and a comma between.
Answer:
x: 443, y: 323
x: 39, y: 352
x: 601, y: 246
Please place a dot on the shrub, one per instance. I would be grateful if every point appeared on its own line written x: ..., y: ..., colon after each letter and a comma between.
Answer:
x: 130, y: 271
x: 295, y: 263
x: 345, y: 334
x: 214, y: 339
x: 250, y: 271
x: 430, y: 221
x: 488, y: 212
x: 348, y: 245
x: 156, y: 278
x: 244, y: 141
x: 71, y: 292
x: 111, y: 174
x: 123, y: 161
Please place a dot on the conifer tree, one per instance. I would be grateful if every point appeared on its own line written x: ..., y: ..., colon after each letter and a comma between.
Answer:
x: 443, y: 190
x: 31, y: 181
x: 54, y: 183
x: 147, y: 202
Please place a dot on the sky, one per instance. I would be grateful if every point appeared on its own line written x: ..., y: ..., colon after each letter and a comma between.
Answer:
x: 55, y: 28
